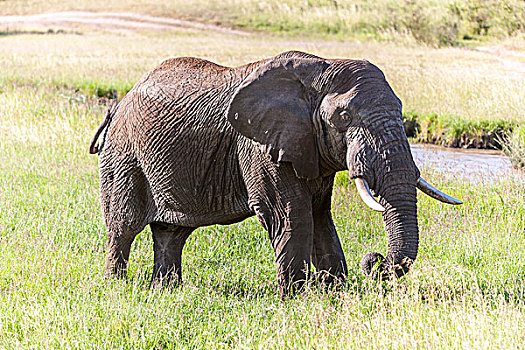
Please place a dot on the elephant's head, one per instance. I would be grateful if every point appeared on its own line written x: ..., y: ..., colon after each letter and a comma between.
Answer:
x: 329, y: 115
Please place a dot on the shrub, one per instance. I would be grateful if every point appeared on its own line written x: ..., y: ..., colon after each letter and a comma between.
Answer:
x: 454, y: 131
x: 513, y: 145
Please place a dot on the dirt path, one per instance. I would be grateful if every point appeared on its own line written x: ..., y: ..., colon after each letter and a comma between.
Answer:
x: 128, y: 22
x: 509, y: 58
x: 112, y: 21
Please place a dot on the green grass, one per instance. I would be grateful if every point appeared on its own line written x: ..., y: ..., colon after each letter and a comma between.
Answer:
x: 459, y: 132
x: 467, y: 287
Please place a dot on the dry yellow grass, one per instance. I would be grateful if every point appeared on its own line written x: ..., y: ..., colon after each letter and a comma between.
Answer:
x: 434, y: 22
x: 464, y: 82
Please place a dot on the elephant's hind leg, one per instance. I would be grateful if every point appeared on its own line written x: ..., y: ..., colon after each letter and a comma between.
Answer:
x: 168, y: 242
x: 118, y: 249
x: 124, y: 198
x: 121, y: 234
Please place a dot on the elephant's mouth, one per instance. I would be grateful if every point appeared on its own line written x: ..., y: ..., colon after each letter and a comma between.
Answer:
x: 366, y: 195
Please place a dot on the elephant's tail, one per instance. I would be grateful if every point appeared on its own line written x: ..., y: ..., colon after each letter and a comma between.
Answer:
x: 93, y: 147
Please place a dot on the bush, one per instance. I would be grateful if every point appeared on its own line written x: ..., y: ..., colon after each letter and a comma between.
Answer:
x: 490, y: 17
x: 454, y: 131
x: 435, y: 23
x: 513, y: 145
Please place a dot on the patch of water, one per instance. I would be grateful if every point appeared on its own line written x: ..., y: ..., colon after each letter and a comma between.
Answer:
x: 471, y: 164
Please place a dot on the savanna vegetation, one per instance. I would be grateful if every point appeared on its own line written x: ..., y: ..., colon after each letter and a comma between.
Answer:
x: 431, y: 23
x: 466, y: 289
x: 513, y: 144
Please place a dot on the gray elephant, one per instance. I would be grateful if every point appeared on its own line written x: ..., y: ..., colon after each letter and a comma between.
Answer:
x: 195, y: 144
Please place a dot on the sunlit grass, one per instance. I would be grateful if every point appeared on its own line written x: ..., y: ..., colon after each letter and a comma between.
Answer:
x: 458, y: 97
x: 452, y: 82
x: 466, y: 289
x: 431, y: 22
x: 514, y: 146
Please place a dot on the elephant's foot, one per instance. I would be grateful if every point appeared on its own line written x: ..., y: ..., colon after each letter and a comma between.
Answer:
x: 323, y: 280
x: 115, y: 268
x: 118, y: 249
x: 328, y: 280
x: 117, y: 258
x: 288, y: 288
x: 166, y: 278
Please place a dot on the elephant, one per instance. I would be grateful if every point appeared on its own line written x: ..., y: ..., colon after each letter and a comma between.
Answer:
x: 194, y: 143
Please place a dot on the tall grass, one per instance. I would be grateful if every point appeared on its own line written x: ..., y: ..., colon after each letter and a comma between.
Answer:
x: 456, y: 82
x: 466, y: 289
x: 457, y: 97
x: 458, y: 132
x: 513, y: 144
x: 436, y: 23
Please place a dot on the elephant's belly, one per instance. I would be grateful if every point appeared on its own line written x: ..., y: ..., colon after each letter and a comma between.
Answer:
x: 199, y: 205
x: 194, y: 175
x: 198, y: 219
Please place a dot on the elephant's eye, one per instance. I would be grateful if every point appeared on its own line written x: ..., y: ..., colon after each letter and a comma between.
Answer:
x: 345, y: 114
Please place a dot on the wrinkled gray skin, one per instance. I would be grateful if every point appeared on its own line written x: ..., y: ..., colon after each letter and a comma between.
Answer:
x: 195, y: 144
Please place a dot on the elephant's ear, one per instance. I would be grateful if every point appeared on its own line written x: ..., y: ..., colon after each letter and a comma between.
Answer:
x: 272, y: 107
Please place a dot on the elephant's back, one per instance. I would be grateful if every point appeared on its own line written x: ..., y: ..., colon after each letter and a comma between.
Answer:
x: 173, y: 124
x: 190, y: 74
x: 191, y: 63
x: 178, y: 88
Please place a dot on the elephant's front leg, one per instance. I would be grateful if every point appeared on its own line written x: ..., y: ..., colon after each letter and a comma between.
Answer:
x: 290, y: 227
x: 327, y: 253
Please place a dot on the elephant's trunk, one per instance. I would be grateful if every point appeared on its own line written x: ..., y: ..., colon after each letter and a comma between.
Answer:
x: 402, y: 228
x: 401, y: 225
x: 392, y: 175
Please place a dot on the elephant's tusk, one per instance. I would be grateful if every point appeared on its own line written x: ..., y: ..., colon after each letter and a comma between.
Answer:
x: 366, y: 195
x: 435, y: 193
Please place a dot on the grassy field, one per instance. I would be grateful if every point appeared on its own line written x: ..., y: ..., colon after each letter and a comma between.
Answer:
x: 466, y: 290
x: 465, y: 120
x: 469, y: 84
